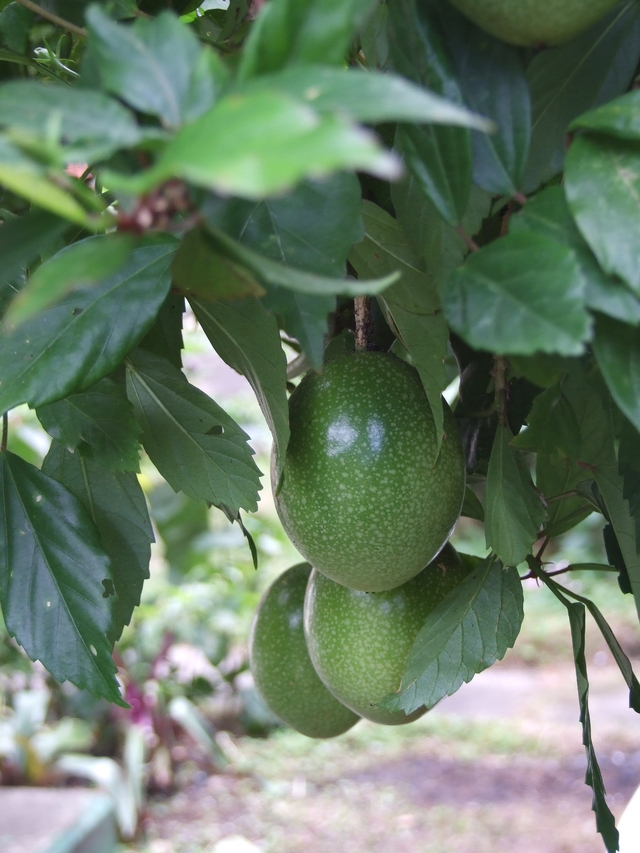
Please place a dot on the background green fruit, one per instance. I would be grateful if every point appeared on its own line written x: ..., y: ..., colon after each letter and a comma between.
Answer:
x: 534, y: 22
x: 281, y: 666
x: 359, y: 642
x: 365, y: 496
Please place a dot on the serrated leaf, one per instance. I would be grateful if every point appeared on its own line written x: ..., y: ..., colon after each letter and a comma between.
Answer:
x: 246, y: 336
x: 117, y: 505
x: 152, y: 65
x: 200, y: 270
x: 605, y: 820
x: 266, y: 142
x: 75, y: 343
x: 304, y: 317
x: 368, y: 96
x: 567, y: 80
x: 491, y: 76
x: 192, y: 442
x: 82, y: 264
x: 165, y: 336
x: 54, y: 579
x: 521, y: 294
x: 552, y: 426
x: 24, y: 238
x: 617, y: 350
x: 548, y: 214
x: 438, y: 157
x: 602, y: 180
x: 513, y: 510
x: 99, y: 422
x: 412, y: 303
x: 467, y: 632
x: 88, y: 125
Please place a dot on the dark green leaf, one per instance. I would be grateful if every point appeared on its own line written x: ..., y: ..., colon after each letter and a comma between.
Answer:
x: 553, y: 426
x: 266, y: 142
x: 471, y: 506
x: 513, y: 510
x: 438, y: 157
x: 22, y: 239
x: 299, y: 32
x: 165, y: 336
x: 567, y: 80
x: 412, y: 304
x: 617, y: 349
x: 302, y: 316
x: 492, y: 80
x: 75, y: 343
x: 246, y: 336
x: 519, y: 295
x: 548, y: 213
x: 118, y: 507
x: 153, y: 65
x: 53, y: 577
x: 467, y: 632
x: 192, y: 442
x: 82, y: 264
x: 629, y: 469
x: 200, y: 270
x: 602, y: 180
x: 368, y: 96
x: 605, y: 820
x: 99, y: 422
x: 618, y: 118
x: 15, y: 24
x: 89, y: 125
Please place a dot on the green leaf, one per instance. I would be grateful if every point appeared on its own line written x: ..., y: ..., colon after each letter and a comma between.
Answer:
x: 367, y: 96
x: 471, y: 506
x: 552, y: 426
x: 548, y: 214
x: 617, y: 349
x: 33, y: 181
x: 82, y: 264
x: 412, y: 303
x: 611, y: 485
x: 192, y: 442
x: 153, y: 65
x: 491, y: 76
x: 89, y: 125
x: 200, y: 270
x: 519, y: 295
x: 99, y: 422
x: 75, y: 343
x: 567, y: 80
x: 438, y: 157
x: 246, y: 336
x: 304, y: 317
x: 165, y: 336
x: 15, y: 25
x: 605, y: 820
x: 118, y: 507
x: 513, y: 510
x: 602, y: 180
x: 629, y: 469
x: 24, y: 238
x: 618, y: 118
x: 468, y: 631
x: 296, y: 32
x: 55, y: 579
x: 266, y: 143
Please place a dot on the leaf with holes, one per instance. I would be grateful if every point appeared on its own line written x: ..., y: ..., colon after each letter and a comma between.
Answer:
x: 55, y: 579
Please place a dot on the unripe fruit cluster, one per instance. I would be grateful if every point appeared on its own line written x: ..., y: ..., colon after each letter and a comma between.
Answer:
x: 369, y: 496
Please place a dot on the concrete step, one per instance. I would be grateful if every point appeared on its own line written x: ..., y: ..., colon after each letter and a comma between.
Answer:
x: 53, y: 820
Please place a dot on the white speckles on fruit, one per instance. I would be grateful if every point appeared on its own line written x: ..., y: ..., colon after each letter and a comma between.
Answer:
x: 366, y: 497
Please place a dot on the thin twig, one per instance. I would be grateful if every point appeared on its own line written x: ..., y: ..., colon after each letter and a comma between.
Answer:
x: 542, y: 548
x: 362, y: 313
x: 570, y: 494
x: 5, y: 432
x: 468, y: 241
x: 55, y: 19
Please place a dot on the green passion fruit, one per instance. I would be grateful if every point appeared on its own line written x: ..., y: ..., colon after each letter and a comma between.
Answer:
x: 365, y: 494
x: 281, y: 666
x: 359, y: 642
x: 534, y: 22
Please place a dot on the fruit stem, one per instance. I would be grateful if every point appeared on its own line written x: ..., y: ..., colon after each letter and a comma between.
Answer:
x: 364, y: 322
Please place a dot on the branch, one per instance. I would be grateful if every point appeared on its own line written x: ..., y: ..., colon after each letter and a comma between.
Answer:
x: 362, y: 313
x: 55, y: 19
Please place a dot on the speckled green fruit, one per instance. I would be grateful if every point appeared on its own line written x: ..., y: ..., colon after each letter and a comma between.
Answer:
x: 359, y: 642
x: 365, y: 496
x: 534, y: 22
x: 281, y: 666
